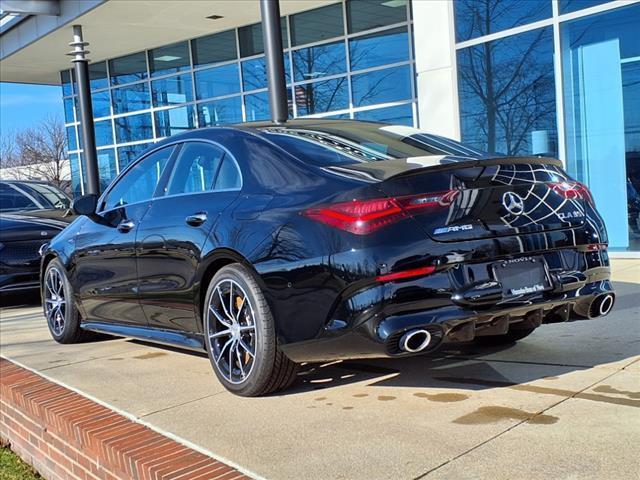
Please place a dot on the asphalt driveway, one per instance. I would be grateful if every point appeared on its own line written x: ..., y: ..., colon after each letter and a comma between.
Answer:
x: 563, y: 403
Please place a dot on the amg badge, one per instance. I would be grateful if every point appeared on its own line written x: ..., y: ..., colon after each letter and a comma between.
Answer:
x: 454, y: 228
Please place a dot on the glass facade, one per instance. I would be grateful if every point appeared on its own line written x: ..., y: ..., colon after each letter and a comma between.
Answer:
x: 601, y: 71
x: 559, y: 79
x: 350, y: 59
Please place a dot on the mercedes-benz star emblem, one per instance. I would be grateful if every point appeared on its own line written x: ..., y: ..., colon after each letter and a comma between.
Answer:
x: 513, y: 203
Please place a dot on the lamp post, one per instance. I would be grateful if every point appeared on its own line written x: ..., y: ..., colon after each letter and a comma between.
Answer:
x: 81, y: 66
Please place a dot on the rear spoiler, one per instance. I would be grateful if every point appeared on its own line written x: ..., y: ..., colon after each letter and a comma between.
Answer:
x: 379, y: 171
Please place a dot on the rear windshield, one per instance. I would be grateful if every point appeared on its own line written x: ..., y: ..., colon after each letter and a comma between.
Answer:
x: 349, y: 143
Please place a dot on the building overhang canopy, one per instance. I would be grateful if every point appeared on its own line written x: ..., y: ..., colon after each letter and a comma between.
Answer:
x: 34, y: 51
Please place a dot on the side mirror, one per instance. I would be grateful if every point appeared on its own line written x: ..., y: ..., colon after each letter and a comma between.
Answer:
x: 85, y: 205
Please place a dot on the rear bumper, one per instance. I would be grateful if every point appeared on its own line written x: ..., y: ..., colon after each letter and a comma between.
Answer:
x: 370, y: 323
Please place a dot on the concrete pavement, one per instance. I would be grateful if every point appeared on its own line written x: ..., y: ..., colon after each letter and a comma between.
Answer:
x: 562, y: 403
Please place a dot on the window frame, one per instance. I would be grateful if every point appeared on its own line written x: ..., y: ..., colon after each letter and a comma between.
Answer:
x: 175, y: 164
x: 227, y: 154
x: 161, y: 188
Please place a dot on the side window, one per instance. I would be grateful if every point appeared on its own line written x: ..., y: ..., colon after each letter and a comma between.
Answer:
x: 12, y: 199
x: 140, y: 182
x: 196, y: 168
x: 228, y: 177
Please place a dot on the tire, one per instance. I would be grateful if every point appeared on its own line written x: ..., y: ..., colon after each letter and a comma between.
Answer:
x: 59, y: 306
x: 240, y: 335
x: 509, y: 337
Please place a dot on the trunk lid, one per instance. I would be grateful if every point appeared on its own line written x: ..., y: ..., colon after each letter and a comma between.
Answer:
x: 486, y: 198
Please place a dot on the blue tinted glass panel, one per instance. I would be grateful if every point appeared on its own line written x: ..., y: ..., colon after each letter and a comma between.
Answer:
x: 128, y: 154
x: 76, y: 181
x: 316, y: 25
x: 567, y: 6
x: 399, y: 115
x: 65, y: 78
x: 68, y: 109
x: 106, y: 167
x: 367, y: 14
x: 320, y: 61
x: 71, y: 138
x: 98, y: 75
x: 476, y: 19
x: 601, y: 76
x: 254, y: 73
x: 104, y: 133
x: 378, y: 49
x: 256, y: 106
x: 172, y: 90
x: 175, y: 120
x: 216, y: 48
x: 251, y: 38
x: 101, y: 104
x: 218, y: 81
x: 220, y: 112
x: 512, y: 109
x: 381, y: 86
x: 131, y: 98
x: 169, y: 59
x: 323, y: 96
x: 133, y: 128
x: 128, y: 69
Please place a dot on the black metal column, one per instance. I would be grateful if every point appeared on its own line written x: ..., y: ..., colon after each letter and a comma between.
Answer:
x: 92, y: 180
x: 270, y: 11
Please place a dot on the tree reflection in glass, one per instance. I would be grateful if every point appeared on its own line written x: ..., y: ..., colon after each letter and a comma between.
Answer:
x: 507, y: 95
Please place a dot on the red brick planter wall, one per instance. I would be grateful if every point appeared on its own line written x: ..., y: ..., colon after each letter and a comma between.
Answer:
x: 64, y: 435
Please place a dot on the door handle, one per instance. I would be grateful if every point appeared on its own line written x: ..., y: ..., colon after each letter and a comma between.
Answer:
x: 196, y: 219
x: 125, y: 225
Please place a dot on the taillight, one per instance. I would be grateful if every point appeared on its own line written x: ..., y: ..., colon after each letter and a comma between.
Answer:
x: 366, y: 216
x: 572, y: 190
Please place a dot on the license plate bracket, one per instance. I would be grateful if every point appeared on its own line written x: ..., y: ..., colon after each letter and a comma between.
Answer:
x: 522, y: 276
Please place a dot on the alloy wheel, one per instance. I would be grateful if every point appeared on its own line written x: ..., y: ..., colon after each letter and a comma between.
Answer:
x: 231, y: 328
x: 55, y: 302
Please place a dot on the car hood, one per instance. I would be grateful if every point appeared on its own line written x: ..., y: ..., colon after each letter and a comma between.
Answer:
x: 41, y: 224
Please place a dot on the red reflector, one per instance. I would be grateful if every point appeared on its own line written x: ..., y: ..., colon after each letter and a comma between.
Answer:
x: 416, y: 272
x: 366, y: 216
x: 571, y: 190
x: 594, y: 247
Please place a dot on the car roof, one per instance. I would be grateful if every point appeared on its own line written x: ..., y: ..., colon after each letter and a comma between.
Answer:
x: 251, y: 127
x: 40, y: 182
x: 306, y: 122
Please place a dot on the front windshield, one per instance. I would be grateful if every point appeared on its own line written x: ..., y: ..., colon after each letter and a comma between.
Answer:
x: 344, y: 143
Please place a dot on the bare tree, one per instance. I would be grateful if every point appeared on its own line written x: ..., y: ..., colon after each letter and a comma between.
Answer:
x: 8, y: 150
x: 38, y: 153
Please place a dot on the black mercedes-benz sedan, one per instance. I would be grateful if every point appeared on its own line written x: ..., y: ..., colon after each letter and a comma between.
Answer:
x: 271, y: 245
x: 31, y: 214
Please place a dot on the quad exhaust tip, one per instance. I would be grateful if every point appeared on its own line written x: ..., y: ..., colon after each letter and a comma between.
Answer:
x: 602, y: 305
x: 415, y: 341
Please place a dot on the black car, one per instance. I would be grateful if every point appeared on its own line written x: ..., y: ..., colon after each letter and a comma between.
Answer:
x: 31, y: 214
x: 271, y: 245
